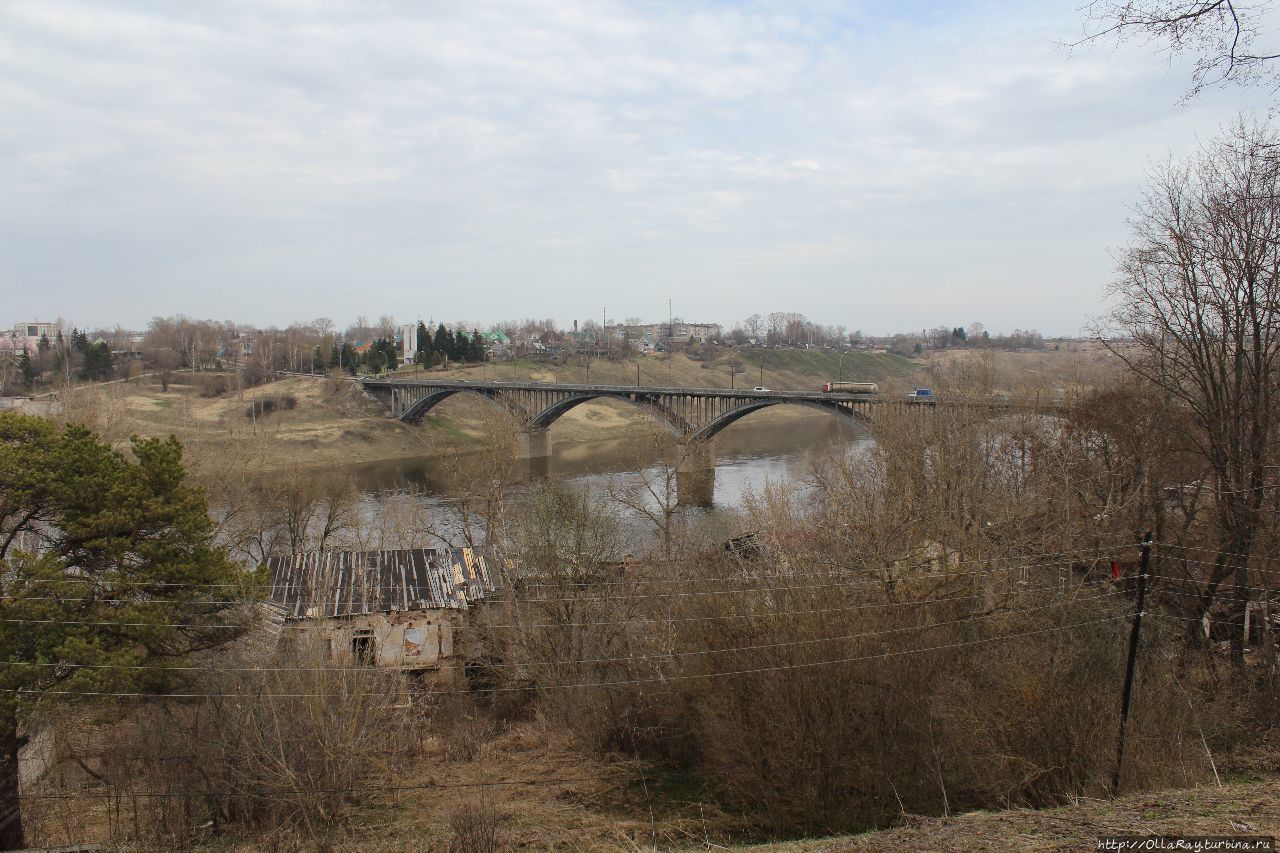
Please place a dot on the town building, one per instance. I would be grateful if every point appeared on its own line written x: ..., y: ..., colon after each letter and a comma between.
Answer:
x: 661, y: 335
x: 496, y: 344
x: 36, y: 329
x: 407, y: 343
x: 26, y: 337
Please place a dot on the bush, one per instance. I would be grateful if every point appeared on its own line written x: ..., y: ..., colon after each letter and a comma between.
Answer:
x: 477, y: 828
x: 286, y: 751
x: 210, y: 384
x: 268, y: 405
x: 847, y: 704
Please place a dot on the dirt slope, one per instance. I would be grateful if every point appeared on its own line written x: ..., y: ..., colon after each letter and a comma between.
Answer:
x: 1233, y: 810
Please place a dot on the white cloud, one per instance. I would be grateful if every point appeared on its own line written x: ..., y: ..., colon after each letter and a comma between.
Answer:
x: 275, y: 159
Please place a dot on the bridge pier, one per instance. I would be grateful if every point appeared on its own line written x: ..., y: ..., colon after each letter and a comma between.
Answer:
x: 534, y: 444
x: 696, y: 472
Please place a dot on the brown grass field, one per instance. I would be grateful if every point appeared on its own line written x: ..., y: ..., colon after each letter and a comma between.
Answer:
x: 332, y: 422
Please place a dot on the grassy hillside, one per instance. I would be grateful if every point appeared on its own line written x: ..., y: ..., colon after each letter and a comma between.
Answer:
x: 775, y: 368
x: 333, y: 423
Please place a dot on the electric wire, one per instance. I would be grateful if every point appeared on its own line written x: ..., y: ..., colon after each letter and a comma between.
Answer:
x: 625, y: 682
x: 577, y: 662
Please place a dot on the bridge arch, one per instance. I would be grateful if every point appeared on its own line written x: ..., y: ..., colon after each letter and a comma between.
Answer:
x: 429, y: 401
x: 734, y: 415
x: 673, y: 422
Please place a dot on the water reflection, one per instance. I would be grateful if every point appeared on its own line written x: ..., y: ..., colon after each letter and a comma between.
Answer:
x: 747, y: 457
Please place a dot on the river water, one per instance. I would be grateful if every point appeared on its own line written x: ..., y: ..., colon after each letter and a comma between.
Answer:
x: 747, y: 458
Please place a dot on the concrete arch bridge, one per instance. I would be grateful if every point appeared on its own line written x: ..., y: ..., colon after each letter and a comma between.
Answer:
x: 693, y: 415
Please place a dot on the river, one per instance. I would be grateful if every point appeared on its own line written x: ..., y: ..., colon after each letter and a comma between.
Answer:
x: 748, y: 456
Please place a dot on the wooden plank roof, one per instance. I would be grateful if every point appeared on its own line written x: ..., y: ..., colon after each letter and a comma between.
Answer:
x: 327, y: 584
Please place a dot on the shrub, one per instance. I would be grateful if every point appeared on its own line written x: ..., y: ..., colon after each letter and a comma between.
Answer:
x: 268, y: 405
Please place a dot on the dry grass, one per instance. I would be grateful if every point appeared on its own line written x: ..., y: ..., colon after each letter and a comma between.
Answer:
x: 605, y: 805
x: 585, y: 803
x: 333, y: 423
x: 1064, y: 370
x: 1234, y: 810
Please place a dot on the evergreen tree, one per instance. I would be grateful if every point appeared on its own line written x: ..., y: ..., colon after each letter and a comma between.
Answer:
x: 43, y: 344
x: 128, y: 582
x: 390, y: 353
x: 443, y: 342
x: 461, y: 346
x: 348, y: 358
x: 424, y: 345
x: 98, y: 361
x: 477, y: 346
x: 28, y: 370
x: 335, y: 357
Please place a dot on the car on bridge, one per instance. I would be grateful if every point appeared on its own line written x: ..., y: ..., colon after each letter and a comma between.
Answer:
x: 762, y: 389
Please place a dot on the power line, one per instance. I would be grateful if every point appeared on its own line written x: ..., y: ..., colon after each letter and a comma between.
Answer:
x: 1227, y: 586
x: 614, y: 683
x: 624, y: 596
x: 251, y: 794
x: 517, y: 626
x: 1102, y: 545
x: 579, y: 662
x: 630, y: 595
x: 1213, y: 551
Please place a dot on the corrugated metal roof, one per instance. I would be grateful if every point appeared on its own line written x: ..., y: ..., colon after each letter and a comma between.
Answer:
x: 317, y: 584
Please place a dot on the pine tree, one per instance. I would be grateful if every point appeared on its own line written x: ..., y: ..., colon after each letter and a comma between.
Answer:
x: 443, y: 342
x: 28, y: 370
x: 424, y: 345
x: 128, y: 582
x: 98, y: 361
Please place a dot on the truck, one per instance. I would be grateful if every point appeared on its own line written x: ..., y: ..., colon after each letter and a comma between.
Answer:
x: 922, y: 395
x: 850, y: 388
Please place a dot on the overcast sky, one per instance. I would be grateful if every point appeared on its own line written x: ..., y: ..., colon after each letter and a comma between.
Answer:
x: 886, y: 166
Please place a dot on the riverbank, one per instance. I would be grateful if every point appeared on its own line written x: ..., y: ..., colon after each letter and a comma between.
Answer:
x: 306, y: 422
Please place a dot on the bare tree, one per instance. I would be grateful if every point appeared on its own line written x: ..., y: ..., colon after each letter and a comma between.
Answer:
x: 1197, y: 298
x: 1221, y: 34
x: 654, y: 493
x: 480, y: 483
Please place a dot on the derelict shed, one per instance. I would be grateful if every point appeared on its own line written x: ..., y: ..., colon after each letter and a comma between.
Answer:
x: 393, y: 609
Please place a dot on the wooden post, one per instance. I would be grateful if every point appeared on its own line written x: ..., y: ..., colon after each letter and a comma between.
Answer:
x: 1133, y: 659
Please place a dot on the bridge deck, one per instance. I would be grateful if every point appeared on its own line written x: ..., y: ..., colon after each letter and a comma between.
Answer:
x: 734, y: 393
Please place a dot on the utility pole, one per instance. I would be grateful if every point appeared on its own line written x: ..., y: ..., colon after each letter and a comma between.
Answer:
x: 671, y: 336
x: 1133, y: 658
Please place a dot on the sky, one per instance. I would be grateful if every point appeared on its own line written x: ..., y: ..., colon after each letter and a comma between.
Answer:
x: 882, y: 166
